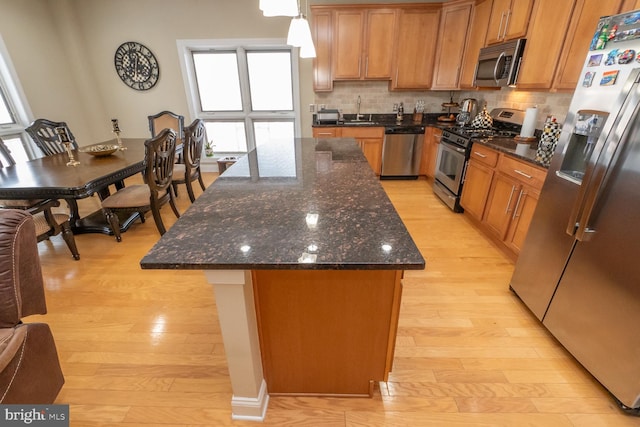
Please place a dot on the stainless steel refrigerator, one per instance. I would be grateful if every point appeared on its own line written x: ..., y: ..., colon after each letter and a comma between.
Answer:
x: 579, y: 270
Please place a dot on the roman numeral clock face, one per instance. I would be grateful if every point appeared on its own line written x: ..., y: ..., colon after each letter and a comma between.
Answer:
x: 136, y: 65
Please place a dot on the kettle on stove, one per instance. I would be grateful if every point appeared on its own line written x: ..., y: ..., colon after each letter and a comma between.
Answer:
x: 468, y: 111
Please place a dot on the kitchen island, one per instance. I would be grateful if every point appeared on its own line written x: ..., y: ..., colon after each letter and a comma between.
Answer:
x: 306, y: 254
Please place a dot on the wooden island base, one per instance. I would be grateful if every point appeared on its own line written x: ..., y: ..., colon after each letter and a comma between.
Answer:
x: 326, y: 332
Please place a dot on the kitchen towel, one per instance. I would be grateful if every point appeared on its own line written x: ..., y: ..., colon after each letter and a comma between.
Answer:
x: 529, y: 124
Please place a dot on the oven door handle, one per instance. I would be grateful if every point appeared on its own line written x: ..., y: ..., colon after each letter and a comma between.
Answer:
x: 453, y: 147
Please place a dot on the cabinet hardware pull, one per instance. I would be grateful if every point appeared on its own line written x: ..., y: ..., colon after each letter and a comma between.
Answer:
x: 506, y: 209
x: 480, y: 154
x: 522, y: 174
x: 500, y: 27
x: 366, y: 67
x: 325, y: 133
x: 515, y: 211
x: 506, y: 24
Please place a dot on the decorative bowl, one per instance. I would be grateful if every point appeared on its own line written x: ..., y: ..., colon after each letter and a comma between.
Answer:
x: 100, y: 150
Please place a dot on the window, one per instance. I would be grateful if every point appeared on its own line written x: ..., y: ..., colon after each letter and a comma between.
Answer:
x: 245, y: 91
x: 14, y: 115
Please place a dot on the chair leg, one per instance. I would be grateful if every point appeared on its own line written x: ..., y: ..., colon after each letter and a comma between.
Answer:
x: 192, y: 196
x: 175, y: 188
x: 201, y: 181
x: 174, y: 208
x: 158, y: 219
x: 67, y: 235
x: 114, y: 223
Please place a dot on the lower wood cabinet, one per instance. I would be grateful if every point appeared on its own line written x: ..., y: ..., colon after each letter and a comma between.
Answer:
x: 501, y: 193
x: 480, y: 170
x: 431, y: 142
x: 369, y: 139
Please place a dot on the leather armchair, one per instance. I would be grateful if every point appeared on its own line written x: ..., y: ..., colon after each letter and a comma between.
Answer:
x: 30, y: 371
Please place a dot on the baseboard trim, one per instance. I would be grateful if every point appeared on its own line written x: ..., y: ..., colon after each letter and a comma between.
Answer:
x: 250, y: 408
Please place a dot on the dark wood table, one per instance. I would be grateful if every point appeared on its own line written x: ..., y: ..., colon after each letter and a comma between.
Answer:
x: 50, y: 178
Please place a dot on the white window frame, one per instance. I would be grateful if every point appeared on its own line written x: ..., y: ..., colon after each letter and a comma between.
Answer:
x: 17, y: 103
x: 185, y: 49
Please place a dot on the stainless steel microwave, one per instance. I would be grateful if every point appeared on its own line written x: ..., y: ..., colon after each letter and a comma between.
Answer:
x: 498, y: 65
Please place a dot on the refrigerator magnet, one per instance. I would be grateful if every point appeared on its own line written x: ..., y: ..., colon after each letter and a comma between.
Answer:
x: 595, y: 60
x: 626, y: 56
x: 611, y: 57
x: 588, y: 79
x: 609, y: 78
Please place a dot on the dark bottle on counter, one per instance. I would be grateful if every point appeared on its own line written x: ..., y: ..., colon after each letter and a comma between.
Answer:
x: 400, y: 113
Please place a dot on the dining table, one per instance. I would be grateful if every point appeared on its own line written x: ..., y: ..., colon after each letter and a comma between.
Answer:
x: 50, y: 177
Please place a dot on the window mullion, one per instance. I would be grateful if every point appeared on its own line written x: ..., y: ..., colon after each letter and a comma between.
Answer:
x: 245, y: 91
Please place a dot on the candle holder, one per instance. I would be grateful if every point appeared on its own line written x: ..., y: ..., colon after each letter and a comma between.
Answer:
x: 63, y: 138
x: 116, y: 129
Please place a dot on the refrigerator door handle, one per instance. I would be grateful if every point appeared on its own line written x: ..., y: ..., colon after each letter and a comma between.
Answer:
x: 594, y: 176
x: 623, y: 130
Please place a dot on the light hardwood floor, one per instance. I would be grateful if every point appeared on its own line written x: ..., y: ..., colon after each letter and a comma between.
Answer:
x: 143, y: 347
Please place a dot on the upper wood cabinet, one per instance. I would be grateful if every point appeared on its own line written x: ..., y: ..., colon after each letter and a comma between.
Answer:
x: 475, y: 41
x: 322, y: 31
x: 454, y: 23
x: 585, y: 17
x: 510, y: 19
x: 416, y: 36
x: 363, y: 43
x: 545, y: 39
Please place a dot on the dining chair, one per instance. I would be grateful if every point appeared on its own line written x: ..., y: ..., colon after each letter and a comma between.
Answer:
x: 47, y: 222
x: 185, y: 173
x: 43, y: 133
x: 168, y: 120
x: 156, y: 190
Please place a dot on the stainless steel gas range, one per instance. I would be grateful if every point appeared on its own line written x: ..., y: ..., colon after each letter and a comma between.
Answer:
x: 454, y: 149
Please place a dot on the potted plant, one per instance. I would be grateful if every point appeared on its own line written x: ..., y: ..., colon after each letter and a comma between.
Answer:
x: 208, y: 149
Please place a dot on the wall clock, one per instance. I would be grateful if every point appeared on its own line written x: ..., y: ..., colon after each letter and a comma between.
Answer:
x: 136, y: 65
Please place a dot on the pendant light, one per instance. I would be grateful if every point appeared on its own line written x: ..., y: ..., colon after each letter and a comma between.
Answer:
x: 279, y: 7
x: 300, y: 36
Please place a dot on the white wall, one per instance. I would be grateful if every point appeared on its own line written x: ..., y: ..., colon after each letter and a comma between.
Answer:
x: 30, y: 33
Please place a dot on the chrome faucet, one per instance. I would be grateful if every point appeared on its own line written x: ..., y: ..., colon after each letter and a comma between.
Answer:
x: 358, y: 115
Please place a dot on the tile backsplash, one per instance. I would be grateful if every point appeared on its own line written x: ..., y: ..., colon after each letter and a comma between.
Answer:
x: 376, y: 98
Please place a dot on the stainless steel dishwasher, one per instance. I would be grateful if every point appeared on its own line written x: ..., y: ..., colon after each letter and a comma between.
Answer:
x: 401, y: 151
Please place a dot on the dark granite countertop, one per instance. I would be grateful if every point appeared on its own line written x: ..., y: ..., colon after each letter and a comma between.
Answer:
x: 382, y: 120
x: 259, y: 215
x: 508, y: 146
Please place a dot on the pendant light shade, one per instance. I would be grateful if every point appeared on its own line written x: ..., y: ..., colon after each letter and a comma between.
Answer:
x: 279, y: 7
x: 300, y: 36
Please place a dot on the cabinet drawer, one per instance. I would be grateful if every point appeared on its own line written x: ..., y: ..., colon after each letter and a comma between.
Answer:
x: 484, y: 155
x: 326, y: 132
x: 524, y: 172
x: 362, y: 132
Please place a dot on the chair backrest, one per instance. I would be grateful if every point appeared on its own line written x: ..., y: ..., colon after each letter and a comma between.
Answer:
x: 21, y: 284
x: 166, y: 120
x: 194, y: 137
x: 159, y: 158
x: 5, y: 155
x: 43, y: 133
